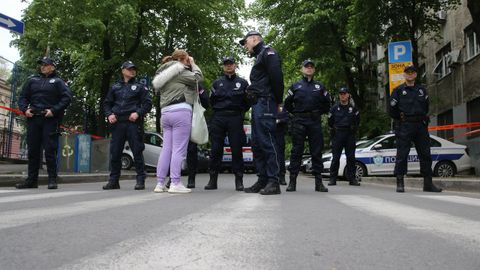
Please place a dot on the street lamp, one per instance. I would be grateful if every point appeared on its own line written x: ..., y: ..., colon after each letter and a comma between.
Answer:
x: 12, y: 104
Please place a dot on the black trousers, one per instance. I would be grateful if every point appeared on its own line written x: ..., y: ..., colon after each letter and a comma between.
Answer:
x: 280, y: 136
x: 42, y: 131
x: 416, y: 132
x: 226, y: 124
x: 192, y: 158
x: 301, y: 129
x: 133, y: 133
x: 343, y: 139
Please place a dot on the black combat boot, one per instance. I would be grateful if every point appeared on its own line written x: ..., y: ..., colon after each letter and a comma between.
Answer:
x: 212, y: 184
x: 255, y: 188
x: 292, y: 185
x: 354, y: 182
x: 140, y: 185
x: 332, y: 181
x: 400, y: 184
x: 239, y: 182
x: 112, y: 184
x: 191, y: 180
x: 52, y: 183
x: 281, y: 180
x: 27, y: 184
x: 169, y: 181
x: 428, y: 185
x: 272, y: 188
x: 319, y: 184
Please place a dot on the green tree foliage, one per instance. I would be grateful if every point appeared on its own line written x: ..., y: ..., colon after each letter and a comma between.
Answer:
x: 90, y: 39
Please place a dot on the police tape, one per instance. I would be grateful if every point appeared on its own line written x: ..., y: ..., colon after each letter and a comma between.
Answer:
x: 19, y: 112
x: 454, y: 126
x: 465, y: 134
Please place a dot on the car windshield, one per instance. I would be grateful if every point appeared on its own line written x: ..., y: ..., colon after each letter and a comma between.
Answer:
x: 369, y: 142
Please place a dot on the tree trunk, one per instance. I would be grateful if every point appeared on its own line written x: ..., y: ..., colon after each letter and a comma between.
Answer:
x: 474, y: 8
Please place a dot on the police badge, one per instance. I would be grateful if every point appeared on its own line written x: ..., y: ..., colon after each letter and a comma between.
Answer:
x: 404, y: 93
x: 52, y: 81
x: 134, y: 87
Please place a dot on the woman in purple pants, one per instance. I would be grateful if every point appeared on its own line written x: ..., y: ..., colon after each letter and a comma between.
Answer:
x: 176, y: 82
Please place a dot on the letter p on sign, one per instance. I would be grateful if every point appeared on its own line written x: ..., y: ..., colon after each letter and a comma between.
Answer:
x: 400, y: 51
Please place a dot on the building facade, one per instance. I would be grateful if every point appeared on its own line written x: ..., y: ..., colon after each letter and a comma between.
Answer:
x: 15, y: 151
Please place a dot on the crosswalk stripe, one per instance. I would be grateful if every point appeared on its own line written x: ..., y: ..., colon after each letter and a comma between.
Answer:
x: 31, y: 197
x: 10, y: 191
x: 454, y: 199
x: 441, y: 224
x: 222, y: 235
x: 16, y: 218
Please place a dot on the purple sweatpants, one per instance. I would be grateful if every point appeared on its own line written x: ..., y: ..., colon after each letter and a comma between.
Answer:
x: 176, y: 127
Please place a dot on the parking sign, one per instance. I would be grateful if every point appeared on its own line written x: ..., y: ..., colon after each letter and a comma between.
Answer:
x: 400, y: 51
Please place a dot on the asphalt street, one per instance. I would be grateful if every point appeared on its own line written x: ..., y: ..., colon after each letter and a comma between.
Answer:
x: 80, y: 226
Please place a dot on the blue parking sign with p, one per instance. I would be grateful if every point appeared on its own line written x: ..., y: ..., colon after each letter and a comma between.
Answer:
x: 400, y: 51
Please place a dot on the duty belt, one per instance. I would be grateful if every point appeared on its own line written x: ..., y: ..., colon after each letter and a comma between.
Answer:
x: 123, y: 118
x: 228, y: 112
x: 306, y: 114
x: 343, y: 128
x: 412, y: 118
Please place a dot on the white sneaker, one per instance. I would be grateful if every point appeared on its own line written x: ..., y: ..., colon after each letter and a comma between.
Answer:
x: 180, y: 188
x: 160, y: 188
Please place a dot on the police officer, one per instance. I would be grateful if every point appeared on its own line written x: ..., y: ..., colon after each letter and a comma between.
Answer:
x: 409, y: 106
x: 281, y: 131
x: 307, y: 100
x: 44, y: 99
x: 229, y: 104
x: 266, y: 93
x: 127, y: 102
x: 343, y: 121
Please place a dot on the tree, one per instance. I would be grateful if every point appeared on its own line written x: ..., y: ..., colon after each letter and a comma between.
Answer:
x: 90, y: 39
x: 474, y: 8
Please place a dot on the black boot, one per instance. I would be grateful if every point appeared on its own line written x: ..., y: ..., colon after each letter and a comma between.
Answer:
x: 281, y: 180
x: 212, y: 184
x: 52, y: 183
x: 255, y: 188
x: 354, y: 182
x: 191, y: 180
x: 400, y: 184
x: 112, y: 185
x: 272, y: 188
x: 332, y: 181
x: 169, y: 181
x: 239, y: 182
x: 319, y: 184
x: 140, y: 185
x: 292, y: 185
x: 27, y: 184
x: 428, y: 185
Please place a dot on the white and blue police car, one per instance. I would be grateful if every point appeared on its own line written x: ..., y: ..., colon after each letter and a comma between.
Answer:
x: 377, y: 157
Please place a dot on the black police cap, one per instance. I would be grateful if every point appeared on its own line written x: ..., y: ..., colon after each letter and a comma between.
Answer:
x: 250, y: 33
x: 308, y: 62
x: 228, y: 59
x: 410, y: 68
x: 128, y: 64
x: 343, y: 90
x: 46, y: 61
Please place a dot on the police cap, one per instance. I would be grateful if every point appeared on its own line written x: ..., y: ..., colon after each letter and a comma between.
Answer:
x: 128, y: 64
x: 46, y: 61
x: 410, y: 68
x: 228, y: 60
x: 308, y: 62
x: 250, y: 33
x: 343, y: 90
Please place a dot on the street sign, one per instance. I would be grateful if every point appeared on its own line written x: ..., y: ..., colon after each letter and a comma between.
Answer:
x: 11, y: 24
x: 399, y: 56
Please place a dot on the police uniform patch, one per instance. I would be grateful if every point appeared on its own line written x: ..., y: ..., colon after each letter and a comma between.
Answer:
x: 350, y: 109
x: 221, y: 84
x: 52, y: 80
x: 270, y: 52
x: 134, y: 87
x: 317, y: 86
x: 393, y: 102
x: 421, y: 92
x: 237, y: 86
x: 404, y: 92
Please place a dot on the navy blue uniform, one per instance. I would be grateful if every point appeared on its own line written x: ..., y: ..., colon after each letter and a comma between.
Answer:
x: 229, y: 103
x: 122, y: 100
x: 343, y: 121
x: 409, y: 107
x: 282, y: 128
x: 39, y: 93
x: 307, y: 101
x: 267, y: 87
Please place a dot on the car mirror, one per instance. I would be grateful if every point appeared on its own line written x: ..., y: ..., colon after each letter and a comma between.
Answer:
x: 377, y: 146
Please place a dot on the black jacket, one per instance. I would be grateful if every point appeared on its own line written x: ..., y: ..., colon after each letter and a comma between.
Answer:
x: 126, y: 98
x: 228, y: 93
x: 344, y: 116
x: 307, y: 96
x: 409, y: 100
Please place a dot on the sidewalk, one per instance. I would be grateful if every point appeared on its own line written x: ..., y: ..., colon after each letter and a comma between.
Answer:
x: 459, y: 183
x: 10, y: 174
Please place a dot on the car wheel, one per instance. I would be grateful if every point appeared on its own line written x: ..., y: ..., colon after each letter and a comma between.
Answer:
x: 444, y: 169
x: 360, y: 171
x: 127, y: 162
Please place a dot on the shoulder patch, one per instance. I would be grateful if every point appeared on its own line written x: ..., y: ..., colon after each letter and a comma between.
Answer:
x: 270, y: 52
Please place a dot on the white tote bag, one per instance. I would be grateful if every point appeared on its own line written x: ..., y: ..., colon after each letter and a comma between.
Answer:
x: 199, y: 134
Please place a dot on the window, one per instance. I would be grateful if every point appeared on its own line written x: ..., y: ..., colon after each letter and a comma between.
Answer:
x: 445, y: 118
x: 153, y: 139
x: 473, y: 115
x: 389, y: 143
x: 472, y: 45
x: 434, y: 143
x: 422, y: 72
x: 441, y: 68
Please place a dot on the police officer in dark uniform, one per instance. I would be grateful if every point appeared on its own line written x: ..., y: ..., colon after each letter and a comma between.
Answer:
x: 307, y: 100
x: 343, y: 121
x: 229, y: 103
x: 266, y: 93
x: 281, y: 131
x: 409, y: 105
x: 127, y: 102
x: 44, y: 99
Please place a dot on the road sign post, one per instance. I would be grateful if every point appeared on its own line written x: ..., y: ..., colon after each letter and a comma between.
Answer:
x: 11, y: 24
x: 399, y: 56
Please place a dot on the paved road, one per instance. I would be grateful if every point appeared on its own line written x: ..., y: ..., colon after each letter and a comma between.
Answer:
x: 80, y: 226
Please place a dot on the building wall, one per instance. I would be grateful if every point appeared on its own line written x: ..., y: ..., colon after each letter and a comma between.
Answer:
x: 16, y: 137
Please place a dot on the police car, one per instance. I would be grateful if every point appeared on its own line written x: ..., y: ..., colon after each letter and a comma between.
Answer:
x: 377, y: 157
x: 246, y: 150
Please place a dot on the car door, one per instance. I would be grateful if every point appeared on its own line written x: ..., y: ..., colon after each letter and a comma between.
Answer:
x: 383, y: 158
x: 153, y: 147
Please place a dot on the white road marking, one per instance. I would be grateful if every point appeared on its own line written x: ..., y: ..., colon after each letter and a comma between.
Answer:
x: 454, y: 199
x: 11, y: 190
x: 237, y: 233
x: 442, y: 225
x: 31, y: 197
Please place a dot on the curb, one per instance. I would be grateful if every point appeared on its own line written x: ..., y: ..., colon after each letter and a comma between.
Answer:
x: 462, y: 185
